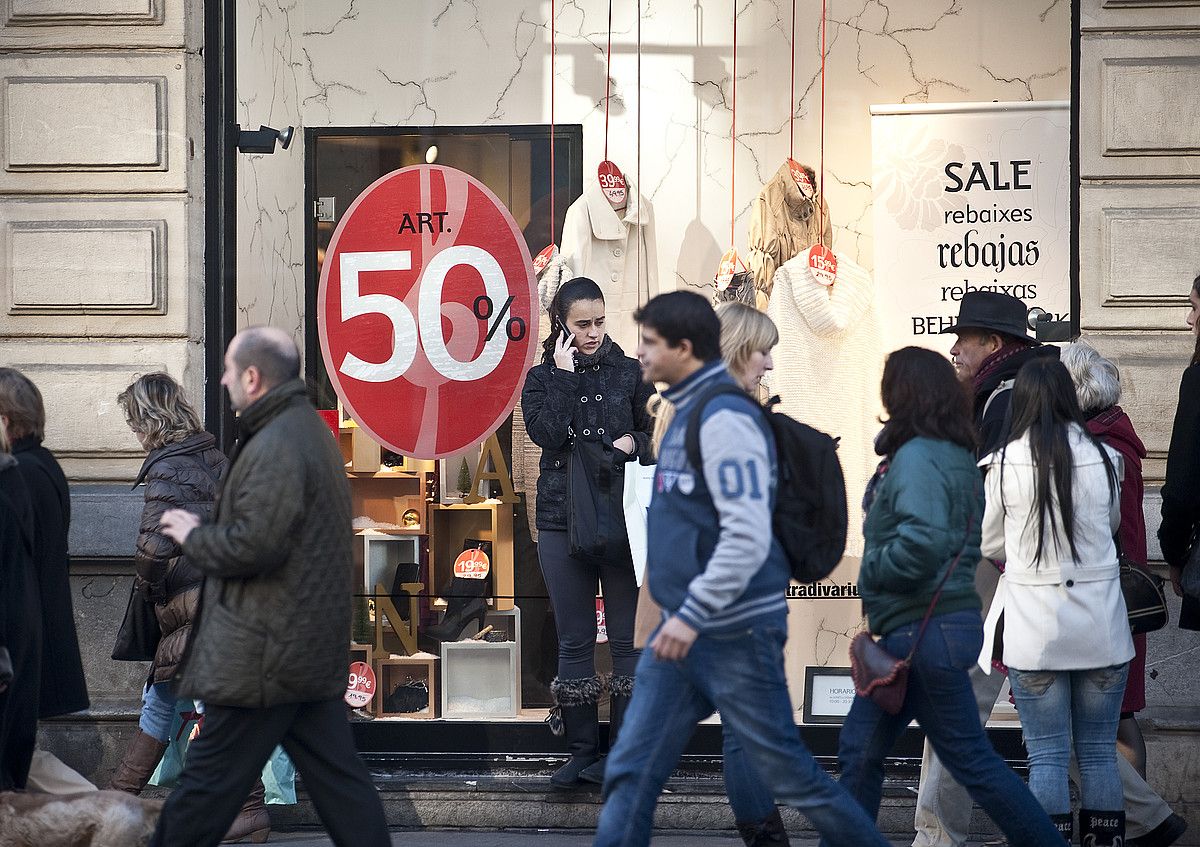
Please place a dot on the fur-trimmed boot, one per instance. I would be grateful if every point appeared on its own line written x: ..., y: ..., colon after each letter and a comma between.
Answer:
x: 765, y: 832
x: 137, y: 765
x: 252, y: 824
x: 1101, y: 829
x: 576, y: 701
x: 1065, y: 824
x: 620, y: 691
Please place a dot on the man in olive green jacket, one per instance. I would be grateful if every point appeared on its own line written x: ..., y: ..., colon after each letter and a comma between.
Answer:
x: 268, y: 654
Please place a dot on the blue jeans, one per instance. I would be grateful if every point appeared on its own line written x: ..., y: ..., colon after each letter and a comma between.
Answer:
x: 750, y: 799
x: 1064, y: 709
x: 158, y: 710
x: 741, y: 674
x: 940, y: 699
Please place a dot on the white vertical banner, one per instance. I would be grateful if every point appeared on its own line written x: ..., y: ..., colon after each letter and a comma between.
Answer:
x: 969, y: 196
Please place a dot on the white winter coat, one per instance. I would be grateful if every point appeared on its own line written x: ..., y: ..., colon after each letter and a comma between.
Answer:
x: 602, y: 244
x: 1061, y: 613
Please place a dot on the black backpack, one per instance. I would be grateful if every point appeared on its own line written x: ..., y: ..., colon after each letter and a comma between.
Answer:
x: 810, y: 503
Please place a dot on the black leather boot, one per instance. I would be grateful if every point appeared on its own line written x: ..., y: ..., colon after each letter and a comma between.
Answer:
x: 576, y: 707
x: 1065, y: 824
x: 1101, y: 829
x: 764, y: 832
x: 466, y: 604
x: 620, y: 691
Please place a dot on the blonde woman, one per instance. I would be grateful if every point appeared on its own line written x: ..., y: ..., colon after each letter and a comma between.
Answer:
x: 747, y: 337
x: 183, y: 470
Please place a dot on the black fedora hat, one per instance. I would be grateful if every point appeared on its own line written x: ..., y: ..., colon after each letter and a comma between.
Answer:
x: 994, y: 312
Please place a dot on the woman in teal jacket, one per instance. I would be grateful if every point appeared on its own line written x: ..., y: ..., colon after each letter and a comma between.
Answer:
x: 924, y: 507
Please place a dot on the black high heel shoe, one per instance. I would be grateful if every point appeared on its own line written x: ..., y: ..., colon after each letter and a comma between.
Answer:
x: 457, y: 619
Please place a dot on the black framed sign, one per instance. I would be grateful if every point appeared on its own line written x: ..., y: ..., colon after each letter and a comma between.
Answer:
x: 828, y: 694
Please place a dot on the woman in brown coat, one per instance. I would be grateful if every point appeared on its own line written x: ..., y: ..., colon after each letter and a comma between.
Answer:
x: 183, y: 470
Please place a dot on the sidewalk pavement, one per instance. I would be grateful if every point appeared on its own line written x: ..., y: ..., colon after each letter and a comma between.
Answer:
x: 538, y: 838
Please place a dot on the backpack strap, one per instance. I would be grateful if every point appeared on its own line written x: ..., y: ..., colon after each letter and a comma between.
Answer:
x: 1006, y: 385
x: 692, y: 438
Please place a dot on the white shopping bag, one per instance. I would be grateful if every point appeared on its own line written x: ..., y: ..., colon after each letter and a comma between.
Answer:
x: 639, y: 486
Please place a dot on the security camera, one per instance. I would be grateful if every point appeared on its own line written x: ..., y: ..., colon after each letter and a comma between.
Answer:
x: 262, y: 140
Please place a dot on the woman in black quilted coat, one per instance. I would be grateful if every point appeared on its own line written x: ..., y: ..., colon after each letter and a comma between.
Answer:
x: 585, y: 388
x: 182, y: 471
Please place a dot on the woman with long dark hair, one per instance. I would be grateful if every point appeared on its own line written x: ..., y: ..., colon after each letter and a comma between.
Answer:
x: 585, y: 389
x: 923, y: 509
x: 1180, y: 492
x: 1053, y: 507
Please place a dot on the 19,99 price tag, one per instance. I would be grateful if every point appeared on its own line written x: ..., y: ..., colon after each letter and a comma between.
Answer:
x: 427, y: 311
x: 361, y: 688
x: 472, y: 564
x: 612, y: 183
x: 823, y: 264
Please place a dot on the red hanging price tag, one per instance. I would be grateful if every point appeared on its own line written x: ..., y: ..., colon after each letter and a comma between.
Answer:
x: 601, y: 626
x: 362, y: 685
x: 823, y: 264
x: 612, y: 183
x: 731, y: 263
x: 472, y: 564
x: 542, y: 260
x: 801, y: 178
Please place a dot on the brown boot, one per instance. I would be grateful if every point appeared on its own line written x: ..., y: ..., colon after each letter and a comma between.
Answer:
x: 252, y: 823
x: 141, y: 758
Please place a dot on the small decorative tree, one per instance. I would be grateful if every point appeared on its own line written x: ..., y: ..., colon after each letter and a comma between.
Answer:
x: 464, y: 478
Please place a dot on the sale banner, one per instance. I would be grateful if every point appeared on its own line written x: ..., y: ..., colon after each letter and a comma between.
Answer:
x: 427, y: 311
x: 969, y: 197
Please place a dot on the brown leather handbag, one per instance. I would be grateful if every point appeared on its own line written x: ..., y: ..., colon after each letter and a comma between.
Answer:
x: 880, y: 676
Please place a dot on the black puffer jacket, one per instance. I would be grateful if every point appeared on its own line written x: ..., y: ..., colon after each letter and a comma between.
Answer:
x: 605, y: 398
x: 992, y: 419
x: 183, y: 475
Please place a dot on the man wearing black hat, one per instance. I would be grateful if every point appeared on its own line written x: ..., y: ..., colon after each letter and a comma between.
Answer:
x: 993, y: 343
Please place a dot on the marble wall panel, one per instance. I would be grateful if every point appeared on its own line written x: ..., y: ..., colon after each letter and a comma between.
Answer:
x: 80, y: 381
x: 1142, y: 115
x: 92, y: 23
x: 94, y: 267
x: 116, y: 121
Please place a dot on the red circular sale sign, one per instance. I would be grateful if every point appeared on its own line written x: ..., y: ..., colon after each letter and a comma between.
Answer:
x: 361, y: 687
x: 427, y: 311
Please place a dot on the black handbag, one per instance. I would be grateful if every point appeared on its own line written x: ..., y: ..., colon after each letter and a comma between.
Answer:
x: 595, y: 502
x: 138, y: 637
x: 1145, y: 599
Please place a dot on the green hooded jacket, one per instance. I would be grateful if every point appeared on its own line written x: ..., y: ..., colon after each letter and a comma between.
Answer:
x: 927, y: 509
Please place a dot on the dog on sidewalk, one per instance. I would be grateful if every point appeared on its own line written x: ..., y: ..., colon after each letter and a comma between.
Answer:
x: 93, y: 819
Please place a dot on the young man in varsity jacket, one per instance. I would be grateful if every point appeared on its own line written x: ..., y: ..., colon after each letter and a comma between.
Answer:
x: 721, y: 579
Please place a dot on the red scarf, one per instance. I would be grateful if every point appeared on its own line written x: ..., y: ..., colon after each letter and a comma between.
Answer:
x: 992, y: 363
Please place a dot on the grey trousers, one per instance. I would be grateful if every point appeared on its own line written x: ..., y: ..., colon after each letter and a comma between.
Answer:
x: 943, y: 817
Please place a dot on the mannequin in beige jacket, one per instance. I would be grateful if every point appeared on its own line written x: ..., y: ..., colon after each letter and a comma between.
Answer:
x: 783, y: 224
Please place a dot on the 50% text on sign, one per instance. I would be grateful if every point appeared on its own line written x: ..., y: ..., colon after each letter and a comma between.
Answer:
x: 427, y: 311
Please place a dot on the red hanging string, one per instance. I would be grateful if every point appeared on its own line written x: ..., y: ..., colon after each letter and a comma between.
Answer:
x: 638, y: 165
x: 792, y: 102
x: 821, y: 189
x: 607, y: 79
x: 733, y: 135
x: 553, y: 57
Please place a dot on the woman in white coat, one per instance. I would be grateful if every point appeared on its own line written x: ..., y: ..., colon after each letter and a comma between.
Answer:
x: 1053, y: 506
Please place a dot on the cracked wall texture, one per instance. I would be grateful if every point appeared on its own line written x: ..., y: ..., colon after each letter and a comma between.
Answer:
x: 311, y: 63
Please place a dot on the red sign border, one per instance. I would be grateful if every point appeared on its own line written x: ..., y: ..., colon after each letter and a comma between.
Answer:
x: 323, y: 291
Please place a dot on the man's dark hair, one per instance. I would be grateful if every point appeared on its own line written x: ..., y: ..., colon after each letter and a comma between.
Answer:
x: 271, y: 351
x: 677, y: 315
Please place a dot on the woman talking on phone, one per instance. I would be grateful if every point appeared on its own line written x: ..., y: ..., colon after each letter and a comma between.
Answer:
x: 586, y: 399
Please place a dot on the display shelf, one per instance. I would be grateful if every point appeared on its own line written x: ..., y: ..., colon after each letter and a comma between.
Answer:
x: 384, y: 553
x: 396, y: 671
x: 451, y: 525
x: 481, y: 680
x: 506, y: 622
x: 364, y: 653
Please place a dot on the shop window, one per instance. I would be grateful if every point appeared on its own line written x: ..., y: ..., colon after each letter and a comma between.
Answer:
x: 415, y: 614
